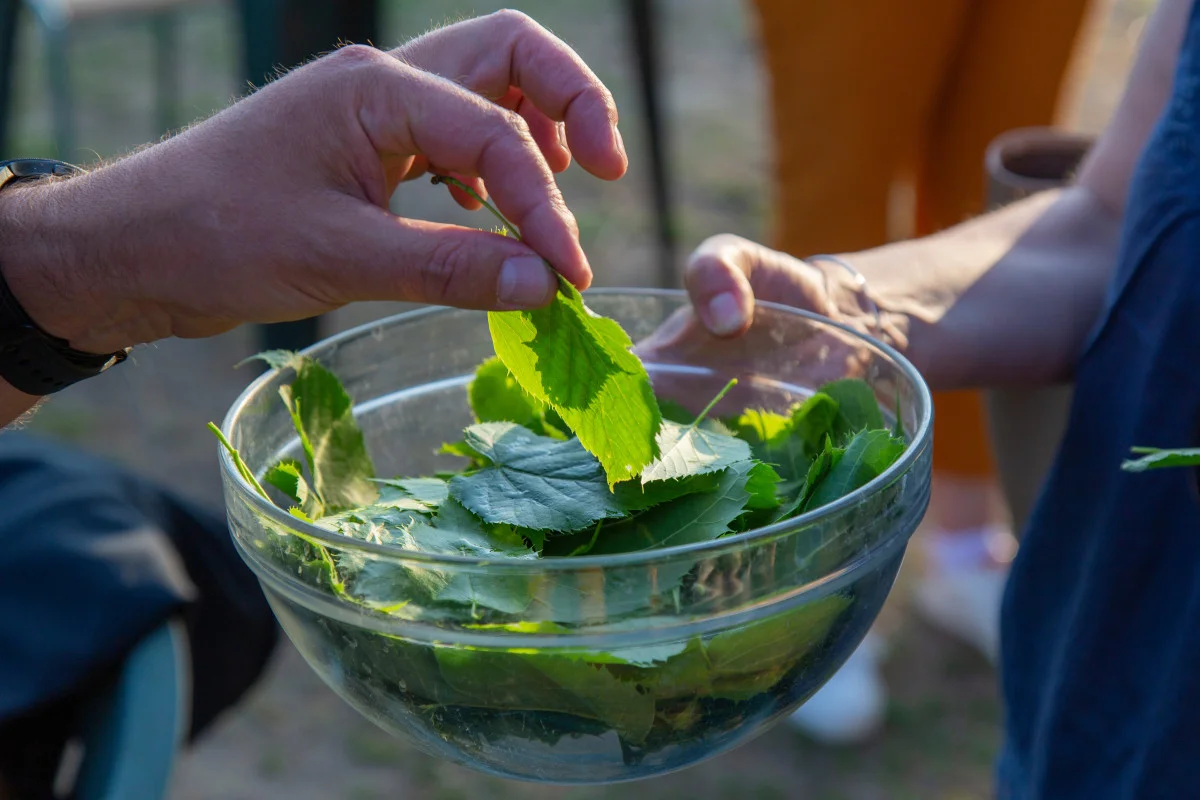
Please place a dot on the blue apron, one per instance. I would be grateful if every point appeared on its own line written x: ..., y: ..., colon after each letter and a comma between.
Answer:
x: 1101, y: 622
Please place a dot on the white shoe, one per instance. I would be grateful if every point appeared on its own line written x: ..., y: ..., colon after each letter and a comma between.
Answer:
x: 962, y: 595
x: 849, y: 708
x: 966, y: 605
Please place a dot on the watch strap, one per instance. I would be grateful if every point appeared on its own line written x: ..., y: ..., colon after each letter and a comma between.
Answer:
x: 31, y: 360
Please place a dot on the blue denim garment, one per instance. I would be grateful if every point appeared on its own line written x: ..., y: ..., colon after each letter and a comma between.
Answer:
x: 1101, y: 621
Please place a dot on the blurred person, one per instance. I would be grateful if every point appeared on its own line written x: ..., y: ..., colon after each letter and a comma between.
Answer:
x: 866, y: 99
x: 1097, y: 283
x: 274, y: 209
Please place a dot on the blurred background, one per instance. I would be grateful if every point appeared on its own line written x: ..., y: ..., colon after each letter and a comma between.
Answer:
x: 92, y: 79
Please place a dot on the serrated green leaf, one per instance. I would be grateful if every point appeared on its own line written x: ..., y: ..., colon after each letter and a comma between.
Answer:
x: 858, y: 408
x: 340, y: 467
x: 1153, y: 458
x: 867, y: 455
x: 762, y: 484
x: 429, y: 492
x: 692, y: 518
x: 534, y: 481
x: 636, y: 496
x: 817, y: 471
x: 581, y: 365
x: 286, y: 476
x: 690, y: 450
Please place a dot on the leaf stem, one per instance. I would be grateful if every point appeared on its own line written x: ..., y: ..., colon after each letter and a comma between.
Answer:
x: 584, y: 549
x: 732, y: 383
x: 495, y: 212
x: 237, y: 461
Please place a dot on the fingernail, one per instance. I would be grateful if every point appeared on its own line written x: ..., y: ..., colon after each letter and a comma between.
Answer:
x: 619, y: 143
x: 725, y: 314
x: 525, y: 282
x: 561, y: 130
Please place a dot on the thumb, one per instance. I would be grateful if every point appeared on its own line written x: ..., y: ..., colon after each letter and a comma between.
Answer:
x: 726, y: 273
x: 394, y: 258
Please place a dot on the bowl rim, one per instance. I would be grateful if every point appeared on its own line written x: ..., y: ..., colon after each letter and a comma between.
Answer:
x: 918, y: 444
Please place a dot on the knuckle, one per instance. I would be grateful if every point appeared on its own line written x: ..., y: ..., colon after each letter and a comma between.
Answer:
x: 515, y: 20
x: 448, y: 265
x: 355, y: 54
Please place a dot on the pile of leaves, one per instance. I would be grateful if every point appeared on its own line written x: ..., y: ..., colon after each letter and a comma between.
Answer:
x: 571, y: 454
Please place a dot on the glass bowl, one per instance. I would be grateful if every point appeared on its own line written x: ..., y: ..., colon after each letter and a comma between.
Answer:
x: 611, y: 667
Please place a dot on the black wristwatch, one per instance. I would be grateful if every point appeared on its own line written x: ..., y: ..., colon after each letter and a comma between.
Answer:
x: 31, y: 360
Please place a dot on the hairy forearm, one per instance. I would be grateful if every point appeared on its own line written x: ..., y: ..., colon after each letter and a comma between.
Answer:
x: 1008, y: 298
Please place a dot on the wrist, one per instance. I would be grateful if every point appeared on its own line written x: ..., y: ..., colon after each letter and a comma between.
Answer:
x: 51, y: 256
x: 854, y: 301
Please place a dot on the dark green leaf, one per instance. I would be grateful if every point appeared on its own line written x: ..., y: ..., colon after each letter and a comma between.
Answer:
x: 430, y: 492
x: 333, y: 443
x: 692, y: 518
x: 287, y: 478
x: 581, y: 365
x: 813, y: 420
x: 1153, y: 458
x: 670, y: 410
x: 635, y: 496
x: 535, y: 682
x: 867, y: 456
x: 858, y: 408
x: 534, y: 481
x: 761, y: 484
x: 817, y: 472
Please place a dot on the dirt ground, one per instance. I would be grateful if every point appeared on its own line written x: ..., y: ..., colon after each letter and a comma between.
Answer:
x: 293, y: 738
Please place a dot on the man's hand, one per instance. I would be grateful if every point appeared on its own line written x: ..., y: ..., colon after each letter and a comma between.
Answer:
x: 276, y: 208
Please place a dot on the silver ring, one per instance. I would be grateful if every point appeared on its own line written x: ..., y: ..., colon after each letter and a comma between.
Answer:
x: 860, y: 283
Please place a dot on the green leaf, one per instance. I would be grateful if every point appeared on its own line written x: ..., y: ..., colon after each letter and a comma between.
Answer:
x: 463, y: 450
x: 817, y: 472
x: 773, y: 440
x: 383, y: 584
x: 867, y: 456
x: 238, y: 463
x: 1154, y: 458
x: 692, y: 518
x: 748, y: 661
x: 581, y: 365
x: 813, y: 420
x: 636, y: 496
x: 691, y: 450
x: 640, y: 656
x: 762, y: 484
x: 534, y: 481
x: 495, y: 396
x: 517, y: 681
x: 670, y: 410
x: 858, y: 408
x: 429, y: 492
x: 333, y: 443
x: 287, y: 478
x: 762, y: 428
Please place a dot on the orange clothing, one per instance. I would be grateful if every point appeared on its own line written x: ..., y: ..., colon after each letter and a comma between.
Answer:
x: 871, y: 94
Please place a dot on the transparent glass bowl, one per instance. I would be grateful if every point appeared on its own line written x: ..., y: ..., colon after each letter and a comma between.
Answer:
x: 622, y: 666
